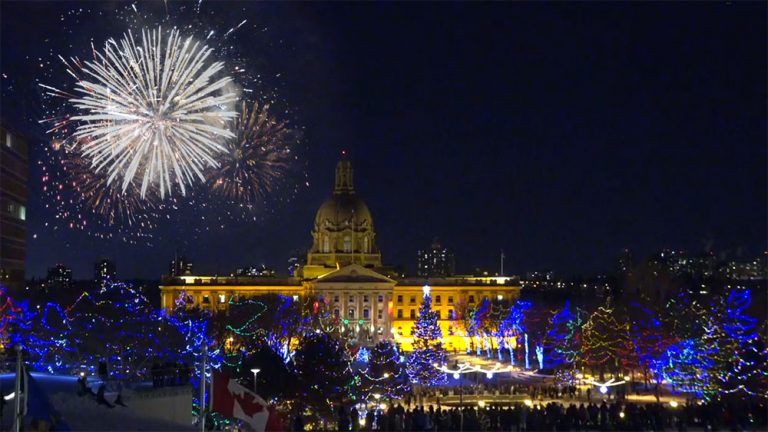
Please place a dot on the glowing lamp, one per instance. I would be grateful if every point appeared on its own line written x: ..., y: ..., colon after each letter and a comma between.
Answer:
x: 481, y: 404
x: 603, y: 389
x: 386, y: 374
x: 673, y: 404
x: 621, y: 414
x: 376, y: 396
x: 425, y: 289
x: 489, y: 375
x: 456, y: 375
x: 528, y: 402
x: 383, y: 406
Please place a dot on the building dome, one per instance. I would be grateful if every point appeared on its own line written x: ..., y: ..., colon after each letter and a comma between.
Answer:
x: 343, y: 210
x: 343, y: 231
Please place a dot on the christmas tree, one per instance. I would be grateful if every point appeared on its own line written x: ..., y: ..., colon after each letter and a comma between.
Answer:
x: 322, y: 366
x: 563, y: 340
x: 605, y: 339
x: 738, y: 353
x: 384, y: 375
x: 427, y: 347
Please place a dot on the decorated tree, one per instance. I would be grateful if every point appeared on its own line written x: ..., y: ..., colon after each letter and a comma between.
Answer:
x: 687, y: 368
x: 648, y: 338
x: 512, y: 330
x: 605, y: 339
x: 427, y: 347
x: 325, y: 378
x: 739, y: 358
x: 384, y: 375
x: 563, y: 340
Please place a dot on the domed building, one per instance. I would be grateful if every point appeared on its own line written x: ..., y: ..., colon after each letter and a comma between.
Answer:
x: 343, y: 232
x: 362, y: 301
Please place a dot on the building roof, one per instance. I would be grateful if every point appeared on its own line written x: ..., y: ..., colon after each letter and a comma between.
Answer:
x: 353, y: 273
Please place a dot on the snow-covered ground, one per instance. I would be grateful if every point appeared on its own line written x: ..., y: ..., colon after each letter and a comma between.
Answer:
x: 146, y: 409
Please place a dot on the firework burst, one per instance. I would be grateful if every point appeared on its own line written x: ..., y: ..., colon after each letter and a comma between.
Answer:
x: 109, y: 202
x: 256, y: 159
x: 152, y: 110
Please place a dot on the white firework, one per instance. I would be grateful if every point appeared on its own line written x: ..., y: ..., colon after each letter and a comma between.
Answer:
x: 153, y: 110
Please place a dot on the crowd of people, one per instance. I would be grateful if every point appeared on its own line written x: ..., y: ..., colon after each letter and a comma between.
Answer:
x: 170, y: 374
x: 603, y: 416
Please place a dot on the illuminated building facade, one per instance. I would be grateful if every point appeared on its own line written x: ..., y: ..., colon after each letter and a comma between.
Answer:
x: 14, y: 171
x: 344, y: 272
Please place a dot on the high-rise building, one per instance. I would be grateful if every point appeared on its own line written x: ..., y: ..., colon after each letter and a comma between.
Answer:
x: 14, y: 171
x: 437, y: 261
x: 180, y: 266
x: 104, y: 270
x: 59, y: 277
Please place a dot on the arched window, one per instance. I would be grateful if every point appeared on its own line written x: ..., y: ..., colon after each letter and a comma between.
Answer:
x: 326, y: 245
x: 347, y: 245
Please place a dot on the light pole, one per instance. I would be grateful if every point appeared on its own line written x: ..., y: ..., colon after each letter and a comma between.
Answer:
x: 255, y: 373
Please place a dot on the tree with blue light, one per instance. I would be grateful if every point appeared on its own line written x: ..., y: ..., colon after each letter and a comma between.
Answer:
x: 384, y: 375
x: 428, y: 348
x: 563, y: 340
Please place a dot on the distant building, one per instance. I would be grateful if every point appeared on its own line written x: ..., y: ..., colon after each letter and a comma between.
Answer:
x: 180, y: 266
x: 14, y: 171
x: 104, y: 270
x: 59, y: 277
x: 437, y: 261
x: 261, y: 270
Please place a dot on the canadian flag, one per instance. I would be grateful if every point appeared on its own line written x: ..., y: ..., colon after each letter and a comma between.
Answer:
x: 231, y: 399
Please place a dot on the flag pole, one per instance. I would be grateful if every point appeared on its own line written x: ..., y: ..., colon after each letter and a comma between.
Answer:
x: 17, y: 392
x: 202, y: 387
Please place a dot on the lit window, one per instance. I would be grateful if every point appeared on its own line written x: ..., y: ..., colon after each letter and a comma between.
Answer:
x: 326, y: 245
x: 413, y: 313
x: 437, y: 299
x: 366, y: 314
x: 351, y: 299
x: 351, y: 313
x: 399, y: 299
x: 222, y: 298
x: 380, y: 299
x: 347, y: 244
x: 399, y: 313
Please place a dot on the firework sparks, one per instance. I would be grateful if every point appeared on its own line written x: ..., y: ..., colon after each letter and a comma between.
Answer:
x: 107, y: 201
x: 256, y: 159
x: 152, y: 110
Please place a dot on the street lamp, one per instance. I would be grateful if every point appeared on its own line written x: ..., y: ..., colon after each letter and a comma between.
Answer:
x: 255, y: 373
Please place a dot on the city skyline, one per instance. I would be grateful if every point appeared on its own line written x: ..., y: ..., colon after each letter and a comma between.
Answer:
x: 560, y: 147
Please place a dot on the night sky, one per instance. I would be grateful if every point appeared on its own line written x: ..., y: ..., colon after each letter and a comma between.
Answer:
x: 560, y: 133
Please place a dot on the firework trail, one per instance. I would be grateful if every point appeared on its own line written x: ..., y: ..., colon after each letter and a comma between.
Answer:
x: 151, y: 110
x: 107, y: 201
x: 256, y: 159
